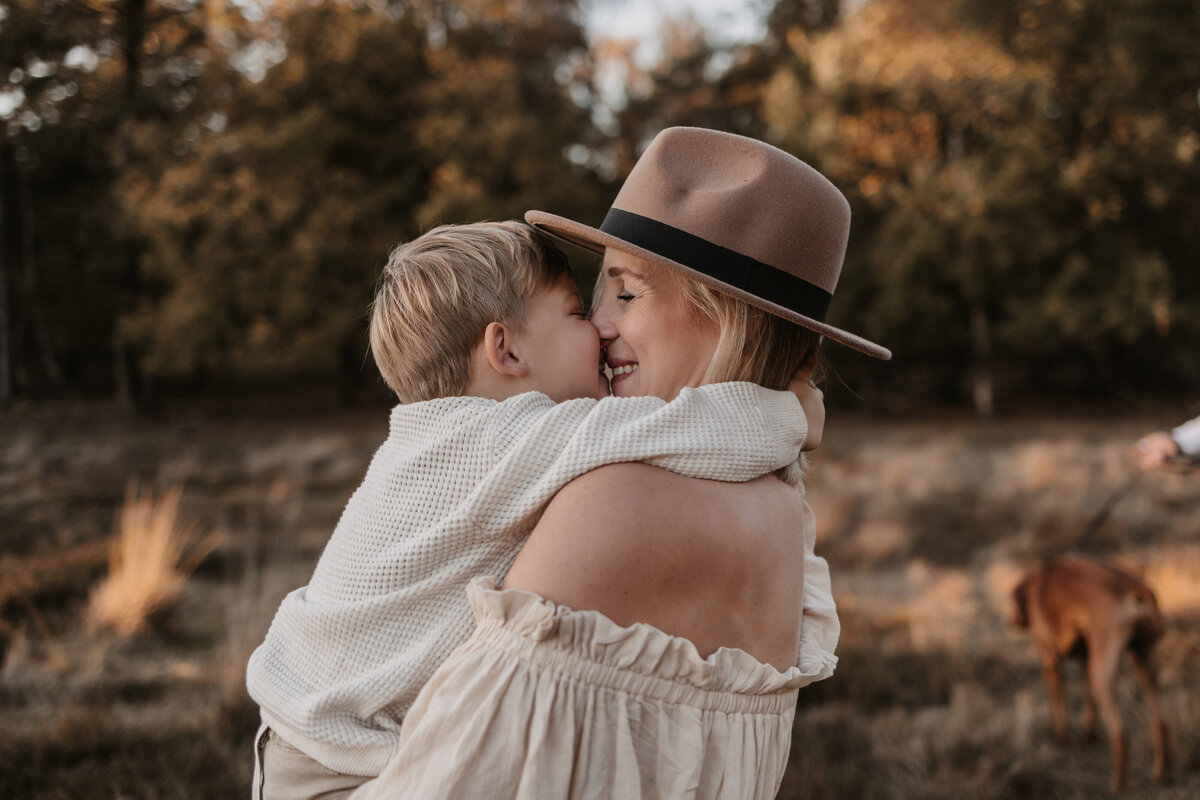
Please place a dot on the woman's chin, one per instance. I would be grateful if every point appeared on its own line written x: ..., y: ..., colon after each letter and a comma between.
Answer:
x: 620, y: 385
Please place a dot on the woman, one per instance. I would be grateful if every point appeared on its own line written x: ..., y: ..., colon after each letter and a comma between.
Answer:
x: 706, y: 608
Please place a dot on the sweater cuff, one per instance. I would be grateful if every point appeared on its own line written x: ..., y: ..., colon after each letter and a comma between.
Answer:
x: 785, y: 418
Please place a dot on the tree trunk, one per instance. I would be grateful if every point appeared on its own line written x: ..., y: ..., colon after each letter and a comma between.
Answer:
x: 133, y: 38
x: 36, y: 312
x: 122, y: 377
x: 132, y: 23
x: 982, y: 387
x: 6, y: 382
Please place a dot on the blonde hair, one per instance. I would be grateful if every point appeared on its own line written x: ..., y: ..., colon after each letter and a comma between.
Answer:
x: 753, y: 346
x: 438, y: 293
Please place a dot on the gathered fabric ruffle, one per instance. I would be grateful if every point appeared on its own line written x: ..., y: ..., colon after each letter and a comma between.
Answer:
x: 544, y: 701
x: 639, y: 649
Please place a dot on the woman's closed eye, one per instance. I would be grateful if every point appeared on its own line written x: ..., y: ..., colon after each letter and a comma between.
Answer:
x: 625, y: 297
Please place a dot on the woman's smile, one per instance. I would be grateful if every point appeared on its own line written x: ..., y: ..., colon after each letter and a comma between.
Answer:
x: 620, y: 371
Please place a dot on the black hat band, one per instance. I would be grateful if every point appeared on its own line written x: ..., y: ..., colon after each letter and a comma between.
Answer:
x: 725, y: 265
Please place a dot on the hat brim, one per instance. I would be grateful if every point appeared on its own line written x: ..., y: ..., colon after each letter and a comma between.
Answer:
x: 598, y: 241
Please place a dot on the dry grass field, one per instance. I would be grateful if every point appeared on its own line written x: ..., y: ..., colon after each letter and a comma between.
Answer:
x: 927, y: 527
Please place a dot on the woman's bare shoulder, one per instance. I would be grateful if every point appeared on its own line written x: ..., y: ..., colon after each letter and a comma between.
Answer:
x: 595, y: 524
x: 626, y: 537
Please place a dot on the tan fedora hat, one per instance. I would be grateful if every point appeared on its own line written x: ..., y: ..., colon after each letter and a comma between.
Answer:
x: 735, y: 213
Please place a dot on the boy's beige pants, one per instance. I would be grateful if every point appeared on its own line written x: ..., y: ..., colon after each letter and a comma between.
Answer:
x: 281, y: 772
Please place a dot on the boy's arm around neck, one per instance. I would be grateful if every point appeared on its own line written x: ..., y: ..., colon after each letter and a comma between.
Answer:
x: 723, y: 431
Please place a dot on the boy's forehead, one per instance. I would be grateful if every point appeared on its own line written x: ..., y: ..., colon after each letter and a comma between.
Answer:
x: 564, y: 286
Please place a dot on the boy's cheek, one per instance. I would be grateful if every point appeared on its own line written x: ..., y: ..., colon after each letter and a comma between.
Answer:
x: 599, y: 389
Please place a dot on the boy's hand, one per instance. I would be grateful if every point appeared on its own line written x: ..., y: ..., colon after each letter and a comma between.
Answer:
x: 812, y: 400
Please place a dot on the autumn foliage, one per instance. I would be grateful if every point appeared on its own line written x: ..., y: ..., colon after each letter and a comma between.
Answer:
x: 194, y: 193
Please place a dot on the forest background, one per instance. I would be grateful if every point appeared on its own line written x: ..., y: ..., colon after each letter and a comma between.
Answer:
x: 199, y: 194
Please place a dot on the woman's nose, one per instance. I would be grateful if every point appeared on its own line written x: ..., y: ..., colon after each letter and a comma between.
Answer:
x: 604, y: 326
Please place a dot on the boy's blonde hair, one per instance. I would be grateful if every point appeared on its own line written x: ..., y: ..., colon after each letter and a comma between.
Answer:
x: 438, y: 293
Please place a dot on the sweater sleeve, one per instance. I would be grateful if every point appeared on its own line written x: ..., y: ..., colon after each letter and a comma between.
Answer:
x: 724, y: 431
x: 1187, y: 436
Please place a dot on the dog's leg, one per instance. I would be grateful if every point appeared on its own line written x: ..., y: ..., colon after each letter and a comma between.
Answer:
x: 1147, y: 678
x: 1104, y: 658
x: 1058, y: 709
x: 1089, y: 707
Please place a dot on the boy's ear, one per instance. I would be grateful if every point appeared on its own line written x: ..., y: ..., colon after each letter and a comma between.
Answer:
x: 498, y: 341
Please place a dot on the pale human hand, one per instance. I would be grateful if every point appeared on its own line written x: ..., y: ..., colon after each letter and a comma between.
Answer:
x: 1154, y: 450
x: 812, y: 400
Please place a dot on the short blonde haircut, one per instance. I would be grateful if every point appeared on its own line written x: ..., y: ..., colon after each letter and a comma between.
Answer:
x: 438, y: 293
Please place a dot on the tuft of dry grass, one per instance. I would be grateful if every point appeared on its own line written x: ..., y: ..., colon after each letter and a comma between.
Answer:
x: 149, y: 557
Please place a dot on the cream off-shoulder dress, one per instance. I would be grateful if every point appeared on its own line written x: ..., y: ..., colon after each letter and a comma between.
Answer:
x: 547, y: 702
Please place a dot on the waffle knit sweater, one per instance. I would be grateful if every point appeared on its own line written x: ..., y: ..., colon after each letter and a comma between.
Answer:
x: 452, y: 494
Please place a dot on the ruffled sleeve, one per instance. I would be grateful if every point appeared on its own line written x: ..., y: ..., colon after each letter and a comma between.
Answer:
x: 819, y: 626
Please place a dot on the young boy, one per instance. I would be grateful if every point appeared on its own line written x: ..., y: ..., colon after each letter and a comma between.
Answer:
x: 485, y: 341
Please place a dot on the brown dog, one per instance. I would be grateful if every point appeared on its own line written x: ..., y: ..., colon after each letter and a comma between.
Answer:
x: 1079, y: 608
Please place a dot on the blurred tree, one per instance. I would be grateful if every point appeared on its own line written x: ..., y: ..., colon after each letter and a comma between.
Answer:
x: 39, y: 90
x: 506, y: 111
x: 974, y: 246
x: 78, y: 74
x: 267, y: 235
x: 194, y: 188
x: 697, y: 80
x: 1124, y: 120
x: 910, y: 111
x: 805, y: 15
x: 693, y: 82
x: 263, y: 231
